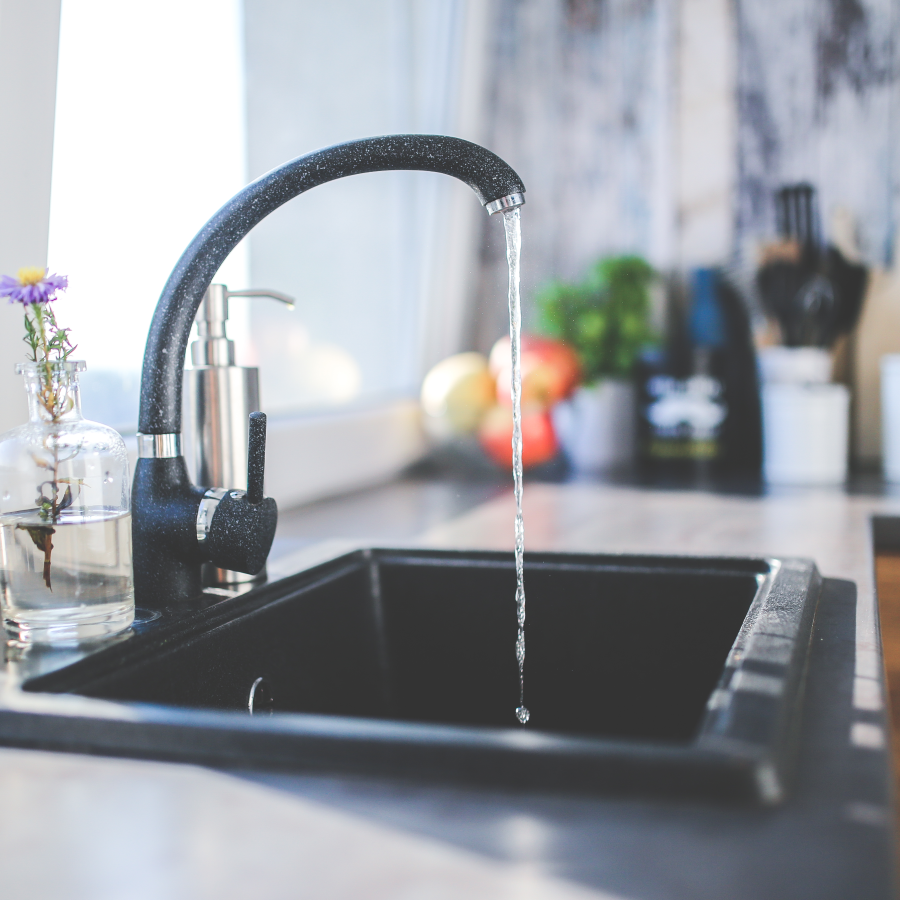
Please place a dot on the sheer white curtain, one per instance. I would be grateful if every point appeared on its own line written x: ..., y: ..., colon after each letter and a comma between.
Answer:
x: 149, y: 142
x: 378, y: 263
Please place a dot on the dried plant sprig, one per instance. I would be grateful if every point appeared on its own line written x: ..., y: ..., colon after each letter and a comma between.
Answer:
x: 46, y: 340
x: 48, y: 344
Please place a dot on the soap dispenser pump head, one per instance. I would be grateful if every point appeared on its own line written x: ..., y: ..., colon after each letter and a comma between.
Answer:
x: 213, y: 346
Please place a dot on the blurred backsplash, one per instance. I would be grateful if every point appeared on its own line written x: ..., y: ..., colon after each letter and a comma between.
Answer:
x: 665, y: 128
x: 658, y: 129
x: 817, y: 101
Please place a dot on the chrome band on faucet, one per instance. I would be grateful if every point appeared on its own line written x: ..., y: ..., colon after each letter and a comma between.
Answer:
x: 159, y: 446
x: 208, y: 506
x: 510, y: 201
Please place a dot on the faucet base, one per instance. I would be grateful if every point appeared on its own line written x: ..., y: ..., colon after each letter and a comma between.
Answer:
x: 167, y: 559
x: 168, y: 555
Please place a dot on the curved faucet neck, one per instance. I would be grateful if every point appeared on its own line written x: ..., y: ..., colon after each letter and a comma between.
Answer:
x: 496, y: 184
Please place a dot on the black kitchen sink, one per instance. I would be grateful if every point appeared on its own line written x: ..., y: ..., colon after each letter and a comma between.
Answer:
x: 649, y: 674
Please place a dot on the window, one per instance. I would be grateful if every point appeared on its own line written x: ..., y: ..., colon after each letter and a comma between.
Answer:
x: 149, y: 142
x: 165, y: 110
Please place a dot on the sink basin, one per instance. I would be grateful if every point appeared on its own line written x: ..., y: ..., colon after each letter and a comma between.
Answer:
x: 649, y: 674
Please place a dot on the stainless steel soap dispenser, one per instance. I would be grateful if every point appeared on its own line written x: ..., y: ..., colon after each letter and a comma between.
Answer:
x: 218, y: 399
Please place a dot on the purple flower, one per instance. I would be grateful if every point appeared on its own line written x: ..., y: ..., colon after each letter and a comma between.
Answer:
x: 32, y: 285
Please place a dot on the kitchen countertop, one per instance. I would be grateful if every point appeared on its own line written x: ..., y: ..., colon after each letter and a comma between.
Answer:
x: 90, y: 827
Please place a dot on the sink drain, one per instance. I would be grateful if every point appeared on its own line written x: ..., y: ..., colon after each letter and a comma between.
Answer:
x: 261, y: 700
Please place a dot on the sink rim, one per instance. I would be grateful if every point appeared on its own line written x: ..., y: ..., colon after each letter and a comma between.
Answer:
x: 744, y: 750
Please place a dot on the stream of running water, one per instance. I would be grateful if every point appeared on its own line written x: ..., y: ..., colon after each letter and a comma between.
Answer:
x: 513, y: 227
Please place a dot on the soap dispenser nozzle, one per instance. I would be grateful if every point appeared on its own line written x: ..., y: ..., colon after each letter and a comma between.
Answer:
x: 213, y: 347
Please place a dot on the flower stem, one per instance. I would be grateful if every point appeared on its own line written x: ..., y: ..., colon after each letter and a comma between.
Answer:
x: 49, y: 344
x: 39, y: 319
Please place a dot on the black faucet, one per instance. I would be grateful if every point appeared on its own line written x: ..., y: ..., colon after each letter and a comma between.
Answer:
x: 177, y: 526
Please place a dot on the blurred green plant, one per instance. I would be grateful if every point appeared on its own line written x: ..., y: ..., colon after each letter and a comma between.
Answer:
x: 605, y: 318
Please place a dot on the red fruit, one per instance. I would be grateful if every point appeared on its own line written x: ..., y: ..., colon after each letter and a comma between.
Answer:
x: 538, y: 438
x: 550, y: 370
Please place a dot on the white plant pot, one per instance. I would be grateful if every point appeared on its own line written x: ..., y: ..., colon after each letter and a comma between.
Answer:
x: 805, y: 433
x: 596, y: 426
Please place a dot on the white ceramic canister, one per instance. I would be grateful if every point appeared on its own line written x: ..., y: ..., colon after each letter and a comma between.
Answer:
x: 596, y: 426
x: 806, y: 418
x: 805, y: 433
x: 890, y: 415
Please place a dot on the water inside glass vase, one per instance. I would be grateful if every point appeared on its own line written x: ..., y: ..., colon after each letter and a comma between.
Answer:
x: 65, y: 523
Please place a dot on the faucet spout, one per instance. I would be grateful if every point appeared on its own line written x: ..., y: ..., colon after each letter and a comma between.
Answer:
x: 176, y: 527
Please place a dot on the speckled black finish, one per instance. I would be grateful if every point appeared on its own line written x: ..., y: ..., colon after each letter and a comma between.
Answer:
x: 256, y: 462
x: 483, y: 171
x: 167, y: 555
x: 241, y: 533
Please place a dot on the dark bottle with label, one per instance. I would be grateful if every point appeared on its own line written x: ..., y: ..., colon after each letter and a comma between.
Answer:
x: 699, y: 404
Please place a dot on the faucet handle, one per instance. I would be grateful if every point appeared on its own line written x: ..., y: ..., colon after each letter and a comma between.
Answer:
x: 240, y: 533
x: 242, y: 526
x: 256, y: 457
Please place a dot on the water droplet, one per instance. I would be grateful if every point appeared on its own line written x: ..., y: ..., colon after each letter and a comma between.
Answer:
x: 522, y: 714
x: 6, y: 495
x: 107, y: 478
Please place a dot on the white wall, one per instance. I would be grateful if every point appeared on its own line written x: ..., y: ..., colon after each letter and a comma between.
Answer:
x: 29, y: 37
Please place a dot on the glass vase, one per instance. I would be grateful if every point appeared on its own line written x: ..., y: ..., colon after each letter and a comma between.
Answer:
x: 65, y: 521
